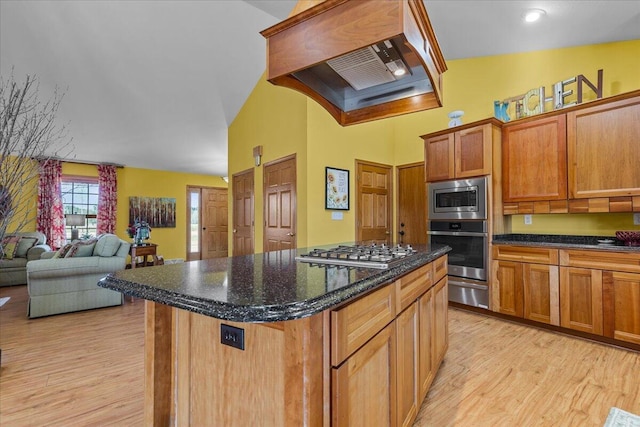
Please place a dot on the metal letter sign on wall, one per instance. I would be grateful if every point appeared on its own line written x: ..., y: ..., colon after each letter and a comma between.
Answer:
x: 534, y: 101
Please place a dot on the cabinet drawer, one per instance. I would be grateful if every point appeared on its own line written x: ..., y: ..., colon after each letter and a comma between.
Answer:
x: 356, y: 323
x: 411, y: 286
x: 530, y: 254
x: 440, y: 268
x: 604, y: 260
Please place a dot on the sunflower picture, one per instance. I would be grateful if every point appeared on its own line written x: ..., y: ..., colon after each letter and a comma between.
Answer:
x: 336, y: 189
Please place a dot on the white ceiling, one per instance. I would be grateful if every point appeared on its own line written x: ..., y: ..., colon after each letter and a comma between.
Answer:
x: 155, y: 84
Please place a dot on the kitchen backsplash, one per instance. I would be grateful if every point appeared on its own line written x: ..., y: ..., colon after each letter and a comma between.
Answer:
x: 596, y: 224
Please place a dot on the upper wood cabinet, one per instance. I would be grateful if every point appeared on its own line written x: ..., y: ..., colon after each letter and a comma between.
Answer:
x: 581, y: 159
x: 462, y: 152
x: 603, y: 144
x: 534, y: 160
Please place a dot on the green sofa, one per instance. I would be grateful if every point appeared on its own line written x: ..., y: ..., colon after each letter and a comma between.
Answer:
x: 14, y: 271
x: 63, y: 285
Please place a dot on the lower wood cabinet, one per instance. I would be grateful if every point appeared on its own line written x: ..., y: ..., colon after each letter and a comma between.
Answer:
x: 529, y: 290
x: 364, y: 386
x: 384, y: 381
x: 621, y: 299
x: 581, y: 299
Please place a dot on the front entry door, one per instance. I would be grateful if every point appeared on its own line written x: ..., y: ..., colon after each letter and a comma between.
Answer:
x: 373, y: 207
x: 412, y: 204
x: 243, y: 218
x: 207, y: 223
x: 215, y: 223
x: 280, y: 204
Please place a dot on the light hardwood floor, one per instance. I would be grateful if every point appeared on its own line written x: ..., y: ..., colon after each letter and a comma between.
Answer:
x: 86, y: 369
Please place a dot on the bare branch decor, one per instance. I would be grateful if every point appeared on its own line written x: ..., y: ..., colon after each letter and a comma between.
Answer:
x: 28, y: 132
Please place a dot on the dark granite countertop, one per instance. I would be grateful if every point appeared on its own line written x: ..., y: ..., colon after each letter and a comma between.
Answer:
x: 564, y: 242
x: 266, y: 287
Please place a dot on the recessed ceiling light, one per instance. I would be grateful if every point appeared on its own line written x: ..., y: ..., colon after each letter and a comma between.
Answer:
x: 532, y: 15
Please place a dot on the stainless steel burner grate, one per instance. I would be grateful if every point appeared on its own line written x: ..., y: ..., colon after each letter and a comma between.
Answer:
x: 368, y: 256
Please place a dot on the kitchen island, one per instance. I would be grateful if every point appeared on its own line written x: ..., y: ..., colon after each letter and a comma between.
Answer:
x: 266, y: 340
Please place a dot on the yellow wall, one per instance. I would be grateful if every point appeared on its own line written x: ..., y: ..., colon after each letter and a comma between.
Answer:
x: 277, y: 120
x: 153, y: 183
x: 277, y: 117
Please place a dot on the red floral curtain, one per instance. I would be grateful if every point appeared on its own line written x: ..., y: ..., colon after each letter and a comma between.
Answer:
x: 108, y: 199
x: 50, y: 216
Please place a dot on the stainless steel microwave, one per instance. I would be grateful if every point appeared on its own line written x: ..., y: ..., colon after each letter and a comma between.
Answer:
x: 458, y: 199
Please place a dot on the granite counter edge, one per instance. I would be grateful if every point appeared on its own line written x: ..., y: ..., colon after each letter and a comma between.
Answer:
x: 269, y: 313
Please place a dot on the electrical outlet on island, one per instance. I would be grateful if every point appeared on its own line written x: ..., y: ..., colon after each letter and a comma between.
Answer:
x: 527, y: 220
x: 636, y: 219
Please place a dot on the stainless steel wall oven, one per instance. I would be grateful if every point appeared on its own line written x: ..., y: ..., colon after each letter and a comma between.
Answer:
x: 458, y: 218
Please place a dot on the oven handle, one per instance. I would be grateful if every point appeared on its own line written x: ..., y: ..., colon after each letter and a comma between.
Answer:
x: 468, y: 285
x: 457, y: 233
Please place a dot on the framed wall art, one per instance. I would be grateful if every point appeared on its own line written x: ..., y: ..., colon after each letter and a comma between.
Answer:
x: 158, y: 212
x: 337, y: 189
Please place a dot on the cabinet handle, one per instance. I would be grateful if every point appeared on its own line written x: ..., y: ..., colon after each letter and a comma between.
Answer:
x: 235, y: 231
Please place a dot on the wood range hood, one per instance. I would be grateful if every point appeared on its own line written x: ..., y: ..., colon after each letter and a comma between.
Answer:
x: 362, y: 60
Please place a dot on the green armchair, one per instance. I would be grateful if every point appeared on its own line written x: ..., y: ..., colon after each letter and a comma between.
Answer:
x: 14, y: 271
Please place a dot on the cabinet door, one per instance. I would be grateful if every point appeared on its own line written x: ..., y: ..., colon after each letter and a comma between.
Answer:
x: 603, y: 150
x: 439, y: 157
x: 473, y: 151
x: 407, y: 342
x: 541, y: 291
x: 621, y: 300
x: 581, y: 299
x: 508, y: 277
x: 426, y: 371
x: 440, y: 322
x: 364, y: 386
x: 534, y: 160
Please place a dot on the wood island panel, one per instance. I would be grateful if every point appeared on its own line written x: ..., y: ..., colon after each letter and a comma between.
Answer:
x: 299, y: 372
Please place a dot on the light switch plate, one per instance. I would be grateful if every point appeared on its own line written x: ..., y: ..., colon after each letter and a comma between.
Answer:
x: 636, y: 219
x: 527, y: 220
x: 337, y: 216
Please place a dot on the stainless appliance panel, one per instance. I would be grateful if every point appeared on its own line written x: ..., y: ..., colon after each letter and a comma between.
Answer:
x: 458, y: 199
x: 472, y: 294
x: 468, y: 259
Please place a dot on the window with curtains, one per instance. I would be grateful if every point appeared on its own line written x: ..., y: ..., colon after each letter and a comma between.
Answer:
x: 80, y: 196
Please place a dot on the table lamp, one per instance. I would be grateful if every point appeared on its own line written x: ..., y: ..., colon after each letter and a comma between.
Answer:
x: 74, y: 220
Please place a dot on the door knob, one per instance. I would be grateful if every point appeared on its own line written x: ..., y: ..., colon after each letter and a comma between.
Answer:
x: 291, y: 234
x: 235, y: 231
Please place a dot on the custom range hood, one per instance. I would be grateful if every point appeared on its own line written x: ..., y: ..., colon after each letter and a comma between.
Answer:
x: 362, y: 60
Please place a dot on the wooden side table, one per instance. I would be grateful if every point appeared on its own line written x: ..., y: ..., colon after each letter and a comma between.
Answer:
x: 143, y: 250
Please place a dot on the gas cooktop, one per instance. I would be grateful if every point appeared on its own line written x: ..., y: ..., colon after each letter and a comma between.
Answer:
x: 369, y: 256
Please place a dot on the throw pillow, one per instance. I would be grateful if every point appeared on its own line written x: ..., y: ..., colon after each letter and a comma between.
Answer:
x: 25, y: 244
x: 81, y: 248
x: 62, y: 252
x: 107, y: 245
x: 10, y: 246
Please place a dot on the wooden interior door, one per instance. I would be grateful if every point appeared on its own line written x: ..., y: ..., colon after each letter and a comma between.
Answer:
x: 207, y: 223
x: 215, y: 223
x: 412, y: 204
x: 280, y: 204
x: 373, y: 207
x: 243, y: 213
